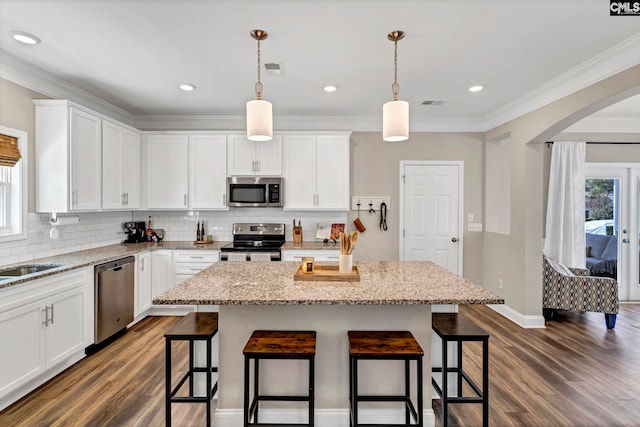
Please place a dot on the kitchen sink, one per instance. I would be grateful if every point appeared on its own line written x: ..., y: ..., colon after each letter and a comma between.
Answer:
x: 23, y: 270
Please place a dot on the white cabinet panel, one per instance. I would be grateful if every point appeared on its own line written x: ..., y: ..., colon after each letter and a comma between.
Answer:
x: 167, y: 171
x: 23, y: 337
x: 65, y: 329
x: 85, y: 146
x: 120, y: 167
x: 208, y: 172
x: 252, y: 158
x: 190, y: 262
x: 143, y: 283
x: 161, y: 272
x: 68, y: 158
x: 316, y: 172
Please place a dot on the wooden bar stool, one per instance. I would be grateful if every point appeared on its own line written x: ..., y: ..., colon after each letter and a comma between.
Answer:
x: 192, y: 327
x: 299, y: 345
x: 452, y: 327
x: 385, y: 345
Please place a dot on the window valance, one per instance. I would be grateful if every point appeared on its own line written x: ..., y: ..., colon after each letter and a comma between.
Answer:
x: 9, y: 151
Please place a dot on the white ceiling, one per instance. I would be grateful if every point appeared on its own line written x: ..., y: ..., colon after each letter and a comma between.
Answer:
x: 134, y: 53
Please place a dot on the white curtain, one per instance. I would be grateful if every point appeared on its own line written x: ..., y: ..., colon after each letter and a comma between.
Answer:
x: 564, y: 237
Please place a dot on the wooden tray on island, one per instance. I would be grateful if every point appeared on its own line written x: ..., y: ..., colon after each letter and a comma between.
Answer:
x: 326, y: 273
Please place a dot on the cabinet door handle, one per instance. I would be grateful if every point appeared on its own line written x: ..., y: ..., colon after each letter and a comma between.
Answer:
x: 185, y: 199
x: 52, y: 314
x: 257, y: 165
x: 196, y: 257
x: 126, y: 198
x: 224, y: 200
x: 46, y: 316
x: 142, y: 264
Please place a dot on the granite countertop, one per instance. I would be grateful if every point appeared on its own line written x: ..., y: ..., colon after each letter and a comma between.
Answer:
x: 381, y: 283
x: 317, y: 245
x: 78, y: 259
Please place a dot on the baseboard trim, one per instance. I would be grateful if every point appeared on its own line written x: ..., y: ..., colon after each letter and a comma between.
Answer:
x: 524, y: 321
x: 323, y: 417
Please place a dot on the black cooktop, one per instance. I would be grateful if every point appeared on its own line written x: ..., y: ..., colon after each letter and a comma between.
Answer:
x: 264, y: 246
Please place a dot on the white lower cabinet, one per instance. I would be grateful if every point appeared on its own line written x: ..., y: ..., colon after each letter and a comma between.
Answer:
x: 190, y: 262
x: 161, y: 272
x: 142, y: 293
x: 43, y: 330
x: 319, y: 255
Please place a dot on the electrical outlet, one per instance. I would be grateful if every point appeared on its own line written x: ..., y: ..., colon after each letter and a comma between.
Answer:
x: 500, y: 284
x: 474, y: 226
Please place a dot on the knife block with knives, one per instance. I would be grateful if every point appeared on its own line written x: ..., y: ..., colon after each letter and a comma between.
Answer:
x: 297, y: 232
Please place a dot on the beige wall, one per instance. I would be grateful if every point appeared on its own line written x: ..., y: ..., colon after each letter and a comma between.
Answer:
x: 375, y: 172
x: 18, y: 112
x: 516, y: 258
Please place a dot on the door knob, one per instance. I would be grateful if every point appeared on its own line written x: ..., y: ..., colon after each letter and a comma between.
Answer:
x: 454, y: 239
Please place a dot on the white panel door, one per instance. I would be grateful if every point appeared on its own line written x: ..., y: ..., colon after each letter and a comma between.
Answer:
x: 167, y: 171
x: 65, y: 332
x: 269, y: 157
x: 131, y: 168
x: 332, y: 172
x: 241, y: 154
x: 207, y: 171
x: 22, y: 333
x: 300, y: 172
x: 112, y: 167
x: 431, y: 214
x: 86, y: 167
x: 143, y: 283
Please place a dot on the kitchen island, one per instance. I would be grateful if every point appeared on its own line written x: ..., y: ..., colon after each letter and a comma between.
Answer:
x: 390, y: 295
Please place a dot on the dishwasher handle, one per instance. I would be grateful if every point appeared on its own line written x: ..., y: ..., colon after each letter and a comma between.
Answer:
x: 114, y: 265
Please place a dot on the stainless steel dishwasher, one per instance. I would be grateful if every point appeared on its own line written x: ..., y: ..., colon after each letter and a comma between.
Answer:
x: 114, y: 281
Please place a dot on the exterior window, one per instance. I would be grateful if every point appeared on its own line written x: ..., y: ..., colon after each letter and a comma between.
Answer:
x: 13, y: 191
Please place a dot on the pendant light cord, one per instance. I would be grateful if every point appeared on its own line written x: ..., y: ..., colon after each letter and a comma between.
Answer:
x: 259, y: 84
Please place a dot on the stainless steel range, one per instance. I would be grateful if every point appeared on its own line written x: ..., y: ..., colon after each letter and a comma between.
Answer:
x: 254, y: 242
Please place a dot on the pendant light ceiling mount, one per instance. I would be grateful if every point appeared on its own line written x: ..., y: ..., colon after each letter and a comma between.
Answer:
x: 395, y: 113
x: 259, y: 111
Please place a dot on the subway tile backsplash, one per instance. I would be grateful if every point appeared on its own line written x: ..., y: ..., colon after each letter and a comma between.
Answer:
x: 97, y: 229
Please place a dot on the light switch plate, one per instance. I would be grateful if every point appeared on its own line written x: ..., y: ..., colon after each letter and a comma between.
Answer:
x: 365, y: 200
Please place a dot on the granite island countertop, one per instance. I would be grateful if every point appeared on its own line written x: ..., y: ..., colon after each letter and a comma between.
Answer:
x: 381, y: 283
x: 72, y: 260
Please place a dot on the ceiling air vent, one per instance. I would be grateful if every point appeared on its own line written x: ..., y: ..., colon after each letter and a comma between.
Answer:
x: 434, y: 102
x: 273, y: 68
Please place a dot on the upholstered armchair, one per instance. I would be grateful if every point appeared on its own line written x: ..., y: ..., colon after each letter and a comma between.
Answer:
x: 574, y: 290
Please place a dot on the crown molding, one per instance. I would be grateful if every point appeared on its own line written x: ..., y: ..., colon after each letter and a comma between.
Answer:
x: 610, y: 62
x: 24, y: 74
x: 288, y: 123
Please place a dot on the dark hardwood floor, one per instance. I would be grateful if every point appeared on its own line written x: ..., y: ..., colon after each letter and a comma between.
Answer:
x: 573, y: 373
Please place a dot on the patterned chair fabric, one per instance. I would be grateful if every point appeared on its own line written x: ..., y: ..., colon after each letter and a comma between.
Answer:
x: 574, y: 290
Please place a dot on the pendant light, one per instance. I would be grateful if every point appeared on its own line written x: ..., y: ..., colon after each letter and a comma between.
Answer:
x: 259, y: 112
x: 395, y: 113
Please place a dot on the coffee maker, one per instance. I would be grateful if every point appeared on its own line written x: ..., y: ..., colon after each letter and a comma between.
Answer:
x: 136, y: 231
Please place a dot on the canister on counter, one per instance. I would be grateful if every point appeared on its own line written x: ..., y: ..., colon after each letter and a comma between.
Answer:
x: 307, y: 264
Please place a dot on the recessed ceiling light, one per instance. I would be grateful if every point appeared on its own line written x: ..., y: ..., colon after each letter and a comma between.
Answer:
x: 330, y: 88
x: 476, y: 88
x: 187, y: 87
x: 25, y: 38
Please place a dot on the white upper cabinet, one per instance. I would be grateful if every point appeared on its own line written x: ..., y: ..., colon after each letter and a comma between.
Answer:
x: 68, y: 158
x: 120, y: 167
x: 167, y: 163
x: 208, y: 172
x: 251, y: 158
x: 316, y: 172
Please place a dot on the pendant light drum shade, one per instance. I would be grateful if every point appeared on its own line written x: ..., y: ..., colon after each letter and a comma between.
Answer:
x: 259, y: 111
x: 259, y: 120
x: 395, y: 121
x: 395, y: 113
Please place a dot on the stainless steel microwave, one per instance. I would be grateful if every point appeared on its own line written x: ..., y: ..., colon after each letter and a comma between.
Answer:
x: 244, y: 191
